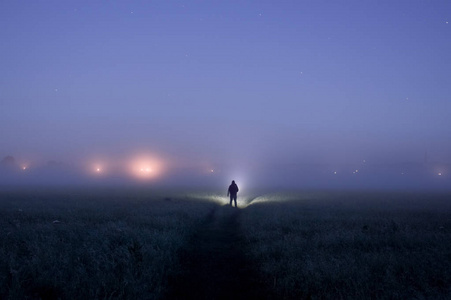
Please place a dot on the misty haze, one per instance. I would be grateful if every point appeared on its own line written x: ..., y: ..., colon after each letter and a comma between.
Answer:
x: 122, y: 125
x: 154, y: 172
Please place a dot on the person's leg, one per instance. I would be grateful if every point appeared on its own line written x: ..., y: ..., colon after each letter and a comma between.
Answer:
x: 231, y: 198
x: 234, y: 198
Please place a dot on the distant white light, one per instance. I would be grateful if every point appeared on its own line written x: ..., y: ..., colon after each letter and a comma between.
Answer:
x: 212, y: 171
x: 24, y: 167
x: 439, y: 173
x: 364, y: 161
x: 335, y: 172
x: 97, y: 168
x: 357, y: 171
x: 402, y: 173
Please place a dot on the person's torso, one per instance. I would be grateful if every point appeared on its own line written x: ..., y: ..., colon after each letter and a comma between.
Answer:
x: 233, y: 188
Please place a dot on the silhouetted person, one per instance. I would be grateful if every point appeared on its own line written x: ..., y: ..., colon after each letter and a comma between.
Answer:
x: 233, y: 190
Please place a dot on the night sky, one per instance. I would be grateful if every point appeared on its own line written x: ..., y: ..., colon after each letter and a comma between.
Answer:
x: 225, y: 84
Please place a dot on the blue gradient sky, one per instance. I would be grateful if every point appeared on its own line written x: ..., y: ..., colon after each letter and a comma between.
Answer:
x: 227, y: 82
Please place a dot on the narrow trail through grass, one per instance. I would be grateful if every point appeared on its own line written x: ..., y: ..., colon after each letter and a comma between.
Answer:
x: 214, y: 263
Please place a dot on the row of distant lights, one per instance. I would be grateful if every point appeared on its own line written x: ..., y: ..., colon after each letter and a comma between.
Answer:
x: 356, y: 171
x: 143, y: 170
x: 402, y: 173
x: 149, y: 170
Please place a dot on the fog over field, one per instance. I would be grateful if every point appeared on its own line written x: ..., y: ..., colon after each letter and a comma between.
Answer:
x: 250, y: 177
x: 272, y: 94
x: 122, y: 123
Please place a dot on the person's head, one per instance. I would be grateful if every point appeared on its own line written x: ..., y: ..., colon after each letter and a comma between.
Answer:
x: 233, y: 181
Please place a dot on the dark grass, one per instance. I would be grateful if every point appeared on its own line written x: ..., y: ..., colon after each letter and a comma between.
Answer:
x: 74, y: 244
x: 353, y: 244
x: 215, y: 264
x: 130, y: 243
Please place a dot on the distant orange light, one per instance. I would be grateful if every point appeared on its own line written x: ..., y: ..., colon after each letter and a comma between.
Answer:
x: 146, y: 168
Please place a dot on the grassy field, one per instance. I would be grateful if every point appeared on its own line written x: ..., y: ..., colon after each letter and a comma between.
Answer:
x: 125, y: 243
x: 74, y: 244
x: 358, y: 245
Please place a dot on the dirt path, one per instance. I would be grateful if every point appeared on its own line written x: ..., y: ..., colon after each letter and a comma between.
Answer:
x: 214, y: 263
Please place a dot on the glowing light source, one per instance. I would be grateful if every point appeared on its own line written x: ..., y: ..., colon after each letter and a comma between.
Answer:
x: 335, y: 172
x: 146, y: 168
x: 439, y: 174
x: 96, y: 168
x: 24, y: 168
